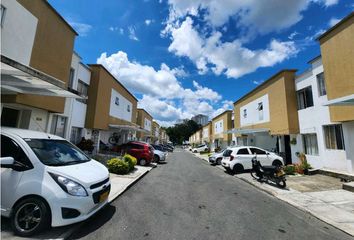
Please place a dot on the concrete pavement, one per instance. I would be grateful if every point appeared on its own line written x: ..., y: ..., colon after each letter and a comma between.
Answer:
x: 318, y: 195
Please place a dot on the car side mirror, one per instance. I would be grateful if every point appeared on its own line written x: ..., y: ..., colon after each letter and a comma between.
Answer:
x: 7, y: 162
x: 267, y: 153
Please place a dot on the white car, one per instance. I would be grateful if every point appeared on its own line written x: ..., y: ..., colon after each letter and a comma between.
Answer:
x: 200, y: 148
x: 216, y: 157
x: 159, y: 156
x: 237, y: 159
x: 47, y: 181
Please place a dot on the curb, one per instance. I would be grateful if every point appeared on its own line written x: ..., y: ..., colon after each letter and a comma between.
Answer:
x: 71, y: 231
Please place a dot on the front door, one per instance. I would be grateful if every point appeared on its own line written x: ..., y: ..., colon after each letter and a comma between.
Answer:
x: 288, y: 159
x: 9, y: 117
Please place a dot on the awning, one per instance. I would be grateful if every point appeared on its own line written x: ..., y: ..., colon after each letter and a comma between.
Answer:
x: 342, y: 101
x: 128, y: 127
x: 18, y: 78
x: 247, y: 131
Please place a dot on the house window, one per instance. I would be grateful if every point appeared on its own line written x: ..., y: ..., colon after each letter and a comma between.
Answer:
x: 334, y: 136
x: 321, y: 84
x: 260, y: 111
x: 116, y: 101
x: 304, y: 98
x: 245, y: 113
x: 58, y: 125
x: 71, y: 78
x: 128, y: 108
x: 75, y: 135
x: 2, y: 17
x: 310, y: 144
x: 82, y: 89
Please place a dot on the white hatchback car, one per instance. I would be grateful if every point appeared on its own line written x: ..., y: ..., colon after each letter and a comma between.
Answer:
x: 239, y: 158
x: 200, y: 148
x: 45, y: 180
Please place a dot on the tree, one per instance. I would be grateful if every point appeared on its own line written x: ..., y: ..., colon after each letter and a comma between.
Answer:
x: 182, y: 131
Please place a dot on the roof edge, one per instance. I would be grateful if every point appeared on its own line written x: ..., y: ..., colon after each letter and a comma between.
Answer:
x: 346, y: 18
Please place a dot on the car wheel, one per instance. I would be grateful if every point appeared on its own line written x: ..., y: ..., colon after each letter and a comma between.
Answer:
x: 142, y: 162
x: 30, y: 216
x: 277, y: 163
x: 218, y: 161
x: 195, y: 151
x: 156, y: 158
x: 238, y: 168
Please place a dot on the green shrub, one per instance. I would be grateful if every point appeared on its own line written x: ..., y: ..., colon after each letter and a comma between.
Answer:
x: 118, y: 166
x: 130, y: 160
x: 289, y: 169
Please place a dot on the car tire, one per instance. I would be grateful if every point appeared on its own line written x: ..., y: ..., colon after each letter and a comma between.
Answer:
x: 156, y: 159
x: 218, y: 161
x: 195, y: 151
x: 30, y: 216
x: 142, y: 162
x: 277, y: 163
x: 238, y: 168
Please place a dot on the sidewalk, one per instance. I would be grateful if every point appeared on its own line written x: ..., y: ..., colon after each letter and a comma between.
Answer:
x: 323, y: 198
x: 119, y: 183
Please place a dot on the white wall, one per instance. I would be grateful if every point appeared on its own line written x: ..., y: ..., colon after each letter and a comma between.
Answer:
x: 348, y: 132
x: 120, y: 111
x: 18, y: 32
x: 84, y: 73
x: 39, y: 119
x: 147, y: 124
x: 78, y: 114
x: 253, y: 114
x: 219, y: 127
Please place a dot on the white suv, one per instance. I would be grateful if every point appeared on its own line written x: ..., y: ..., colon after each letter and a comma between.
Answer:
x: 47, y: 181
x: 200, y: 148
x: 237, y: 159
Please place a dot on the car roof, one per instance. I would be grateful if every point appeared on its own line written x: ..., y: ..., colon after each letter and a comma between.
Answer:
x: 24, y: 133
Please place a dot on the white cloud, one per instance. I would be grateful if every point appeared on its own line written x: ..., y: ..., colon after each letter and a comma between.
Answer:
x: 326, y: 3
x: 132, y: 34
x: 162, y: 94
x: 121, y: 31
x: 333, y: 21
x: 292, y: 35
x: 82, y: 28
x: 229, y: 58
x: 148, y: 21
x: 226, y: 105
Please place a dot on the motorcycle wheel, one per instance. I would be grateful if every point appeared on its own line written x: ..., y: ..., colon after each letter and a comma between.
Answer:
x: 254, y: 175
x: 281, y: 183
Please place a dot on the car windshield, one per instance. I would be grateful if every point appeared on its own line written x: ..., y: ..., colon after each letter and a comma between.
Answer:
x: 56, y: 152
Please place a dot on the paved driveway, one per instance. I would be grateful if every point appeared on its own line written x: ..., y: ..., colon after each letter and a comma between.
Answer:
x: 188, y: 199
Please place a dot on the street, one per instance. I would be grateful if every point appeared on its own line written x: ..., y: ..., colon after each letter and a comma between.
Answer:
x: 188, y: 199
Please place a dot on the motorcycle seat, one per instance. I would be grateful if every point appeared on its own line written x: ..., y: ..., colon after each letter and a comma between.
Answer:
x: 269, y: 168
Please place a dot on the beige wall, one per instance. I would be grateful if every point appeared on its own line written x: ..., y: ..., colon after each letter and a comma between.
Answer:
x: 282, y: 104
x: 99, y: 99
x: 337, y: 50
x: 227, y: 119
x: 51, y: 53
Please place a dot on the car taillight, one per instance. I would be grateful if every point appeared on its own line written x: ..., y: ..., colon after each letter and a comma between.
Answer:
x: 231, y: 157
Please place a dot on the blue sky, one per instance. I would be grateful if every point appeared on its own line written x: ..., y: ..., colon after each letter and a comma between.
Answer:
x: 184, y: 57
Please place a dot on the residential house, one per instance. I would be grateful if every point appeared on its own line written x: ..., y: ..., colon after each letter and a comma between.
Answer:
x: 155, y: 132
x: 111, y: 110
x: 207, y: 134
x: 266, y: 116
x: 144, y: 120
x: 221, y: 125
x: 35, y: 66
x: 198, y: 137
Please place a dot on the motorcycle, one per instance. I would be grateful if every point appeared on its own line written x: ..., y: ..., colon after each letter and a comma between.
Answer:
x: 274, y: 174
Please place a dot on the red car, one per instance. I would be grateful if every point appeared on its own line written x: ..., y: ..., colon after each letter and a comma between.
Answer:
x: 143, y: 152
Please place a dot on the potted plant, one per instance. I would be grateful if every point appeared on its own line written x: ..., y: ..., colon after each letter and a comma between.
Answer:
x: 304, y: 164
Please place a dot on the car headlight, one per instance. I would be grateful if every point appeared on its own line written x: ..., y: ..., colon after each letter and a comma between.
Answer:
x: 69, y: 186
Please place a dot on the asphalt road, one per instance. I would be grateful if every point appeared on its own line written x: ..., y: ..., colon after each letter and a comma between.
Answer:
x: 188, y: 199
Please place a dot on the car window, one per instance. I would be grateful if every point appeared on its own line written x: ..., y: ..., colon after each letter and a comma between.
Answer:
x: 227, y: 153
x: 257, y: 151
x: 9, y: 148
x: 243, y: 151
x: 56, y: 152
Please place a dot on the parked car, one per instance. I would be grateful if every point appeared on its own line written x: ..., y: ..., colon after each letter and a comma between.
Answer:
x: 216, y: 157
x: 167, y: 148
x: 142, y: 151
x: 200, y: 148
x: 158, y: 147
x: 47, y: 181
x: 237, y: 159
x: 159, y: 156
